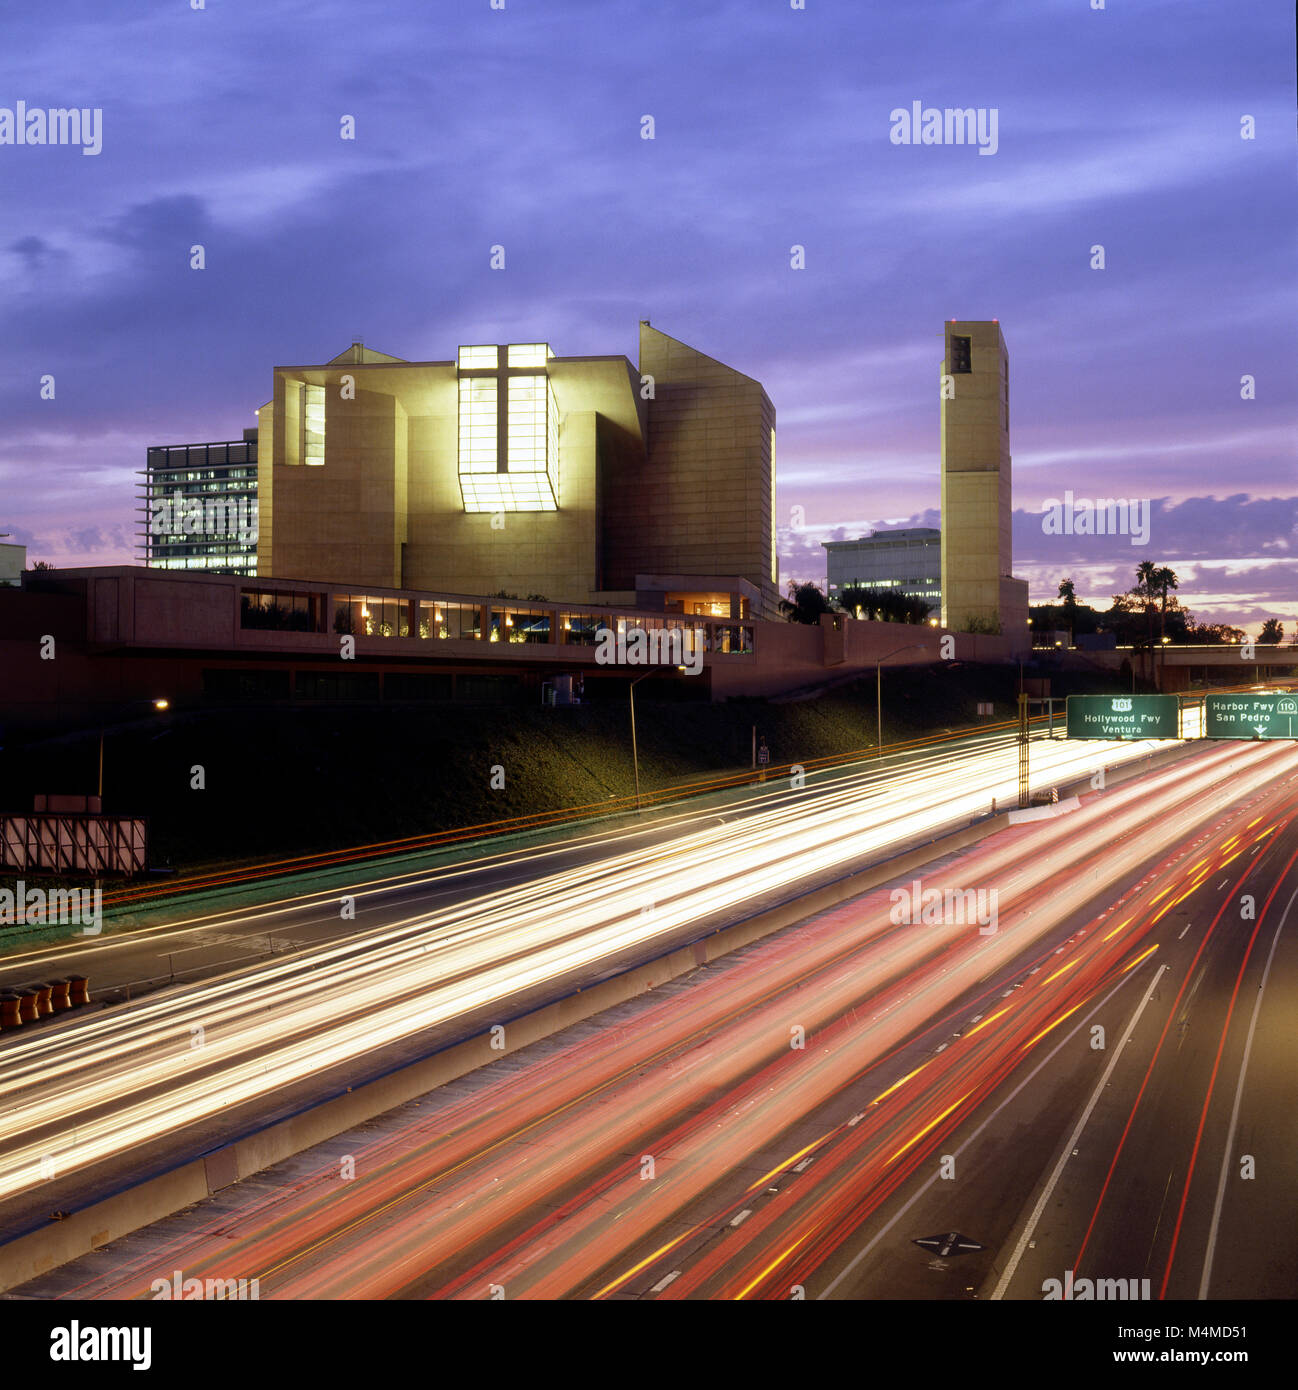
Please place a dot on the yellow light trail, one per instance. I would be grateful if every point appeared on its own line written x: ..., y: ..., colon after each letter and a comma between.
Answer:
x: 910, y: 1143
x: 897, y: 1084
x: 770, y: 1268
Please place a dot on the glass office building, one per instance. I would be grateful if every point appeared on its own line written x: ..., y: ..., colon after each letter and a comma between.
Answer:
x: 198, y: 506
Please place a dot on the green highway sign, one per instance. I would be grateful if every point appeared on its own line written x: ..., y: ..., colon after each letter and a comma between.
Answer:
x: 1123, y: 716
x: 1273, y: 715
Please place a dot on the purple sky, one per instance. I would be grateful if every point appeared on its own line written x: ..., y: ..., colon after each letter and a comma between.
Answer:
x: 522, y: 127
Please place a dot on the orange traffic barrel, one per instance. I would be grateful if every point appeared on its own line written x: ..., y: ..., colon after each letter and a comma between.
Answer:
x: 60, y: 995
x: 29, y: 1008
x: 43, y: 1005
x: 10, y: 1010
x: 79, y: 989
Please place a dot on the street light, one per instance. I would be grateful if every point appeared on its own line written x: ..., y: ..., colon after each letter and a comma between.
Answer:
x: 635, y: 756
x: 878, y: 691
x: 159, y: 704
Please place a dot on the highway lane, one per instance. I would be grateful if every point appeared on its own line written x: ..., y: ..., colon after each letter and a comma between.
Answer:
x: 1036, y: 1121
x: 198, y: 936
x: 1186, y: 1176
x: 489, y: 1181
x: 155, y: 1070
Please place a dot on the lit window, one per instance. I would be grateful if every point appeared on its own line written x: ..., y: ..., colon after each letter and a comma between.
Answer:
x: 518, y: 408
x: 313, y: 424
x: 529, y: 354
x: 478, y: 357
x: 478, y: 424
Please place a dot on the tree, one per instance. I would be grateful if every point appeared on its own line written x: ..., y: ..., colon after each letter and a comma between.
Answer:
x: 859, y: 601
x: 805, y: 603
x: 42, y: 565
x: 1145, y: 587
x: 1272, y: 631
x: 886, y: 605
x: 1068, y: 597
x: 1163, y: 580
x: 1213, y: 634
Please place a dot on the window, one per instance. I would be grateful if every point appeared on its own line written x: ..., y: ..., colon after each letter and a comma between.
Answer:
x: 461, y: 622
x: 581, y: 629
x: 276, y: 609
x: 477, y: 357
x: 508, y: 430
x: 529, y: 354
x: 313, y: 424
x: 520, y: 625
x: 478, y: 425
x: 961, y: 355
x: 361, y: 616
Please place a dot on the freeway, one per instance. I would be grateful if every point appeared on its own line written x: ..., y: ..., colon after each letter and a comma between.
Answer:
x: 202, y: 933
x: 190, y: 1065
x: 690, y: 1147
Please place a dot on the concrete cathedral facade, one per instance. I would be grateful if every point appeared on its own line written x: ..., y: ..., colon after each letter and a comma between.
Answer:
x: 509, y: 468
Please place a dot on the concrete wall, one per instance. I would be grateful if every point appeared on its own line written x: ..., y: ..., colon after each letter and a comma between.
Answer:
x: 703, y: 502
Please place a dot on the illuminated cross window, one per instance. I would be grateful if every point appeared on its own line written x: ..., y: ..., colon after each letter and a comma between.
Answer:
x: 509, y: 429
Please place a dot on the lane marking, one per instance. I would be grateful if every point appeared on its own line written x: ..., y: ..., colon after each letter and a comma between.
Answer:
x: 999, y: 1291
x: 1234, y: 1114
x: 1009, y: 1100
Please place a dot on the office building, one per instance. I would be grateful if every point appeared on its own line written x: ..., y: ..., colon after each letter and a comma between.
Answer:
x: 13, y: 560
x: 908, y: 559
x: 198, y: 506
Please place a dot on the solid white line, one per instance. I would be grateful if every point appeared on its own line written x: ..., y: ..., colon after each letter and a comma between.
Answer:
x: 1045, y: 1062
x: 1239, y: 1095
x: 999, y: 1291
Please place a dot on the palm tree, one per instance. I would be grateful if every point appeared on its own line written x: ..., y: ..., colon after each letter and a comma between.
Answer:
x: 1068, y: 593
x: 1146, y: 587
x: 1163, y: 580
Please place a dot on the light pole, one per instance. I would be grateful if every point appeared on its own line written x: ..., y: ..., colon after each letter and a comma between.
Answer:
x: 99, y: 791
x: 635, y: 755
x: 878, y: 691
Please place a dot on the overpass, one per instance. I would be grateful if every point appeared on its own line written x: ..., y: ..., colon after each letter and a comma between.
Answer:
x: 1174, y: 667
